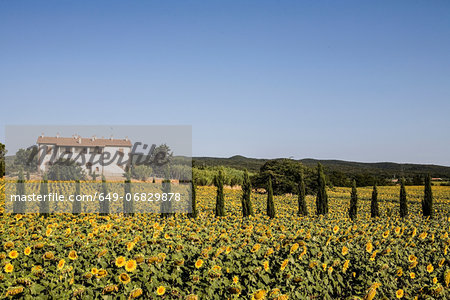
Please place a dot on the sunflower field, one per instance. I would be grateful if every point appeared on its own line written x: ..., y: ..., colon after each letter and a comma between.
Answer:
x: 89, y: 256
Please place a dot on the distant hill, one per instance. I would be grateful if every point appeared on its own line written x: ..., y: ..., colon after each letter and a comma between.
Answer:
x: 349, y: 167
x: 380, y: 168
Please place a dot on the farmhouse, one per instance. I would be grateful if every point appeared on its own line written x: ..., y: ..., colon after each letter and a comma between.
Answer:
x: 109, y: 157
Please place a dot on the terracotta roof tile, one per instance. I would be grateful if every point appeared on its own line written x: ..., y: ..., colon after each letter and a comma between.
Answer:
x: 83, y: 142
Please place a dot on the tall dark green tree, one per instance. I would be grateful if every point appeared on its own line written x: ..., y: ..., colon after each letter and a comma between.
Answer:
x: 128, y: 202
x: 247, y: 208
x: 302, y: 207
x: 3, y: 152
x: 270, y: 204
x: 353, y: 210
x: 322, y: 197
x: 403, y: 200
x: 427, y: 202
x: 166, y: 206
x: 19, y: 206
x: 104, y: 205
x: 76, y: 205
x: 44, y: 205
x: 194, y: 212
x: 220, y: 200
x: 374, y: 210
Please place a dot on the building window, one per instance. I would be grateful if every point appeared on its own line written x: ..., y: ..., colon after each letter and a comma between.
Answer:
x: 83, y: 150
x: 68, y: 150
x: 89, y: 166
x: 97, y: 169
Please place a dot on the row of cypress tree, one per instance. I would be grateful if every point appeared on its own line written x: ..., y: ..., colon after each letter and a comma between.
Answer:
x: 247, y: 208
x: 321, y: 198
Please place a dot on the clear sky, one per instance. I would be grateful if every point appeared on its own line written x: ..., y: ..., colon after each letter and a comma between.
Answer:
x: 353, y: 80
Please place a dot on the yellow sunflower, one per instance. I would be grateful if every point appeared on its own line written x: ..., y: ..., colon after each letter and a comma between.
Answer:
x: 8, y: 245
x: 255, y: 248
x: 73, y: 255
x: 294, y: 248
x: 399, y: 294
x: 61, y: 264
x: 261, y: 294
x: 13, y: 254
x: 335, y: 229
x: 369, y: 247
x: 130, y: 265
x: 199, y: 263
x: 430, y: 268
x: 27, y: 251
x: 135, y: 293
x: 120, y: 261
x: 130, y: 246
x: 9, y: 268
x: 124, y: 278
x: 284, y: 264
x: 48, y: 255
x: 344, y: 250
x: 412, y: 258
x: 160, y: 290
x: 266, y: 265
x: 101, y: 273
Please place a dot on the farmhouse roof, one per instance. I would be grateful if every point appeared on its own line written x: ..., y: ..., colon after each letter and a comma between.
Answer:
x: 77, y: 141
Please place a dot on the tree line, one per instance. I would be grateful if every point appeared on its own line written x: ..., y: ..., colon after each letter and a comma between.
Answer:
x: 247, y: 207
x: 321, y: 197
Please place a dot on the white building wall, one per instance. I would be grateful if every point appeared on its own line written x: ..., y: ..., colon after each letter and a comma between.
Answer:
x: 112, y: 169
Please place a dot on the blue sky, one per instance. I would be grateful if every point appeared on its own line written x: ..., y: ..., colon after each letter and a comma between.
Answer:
x: 353, y: 80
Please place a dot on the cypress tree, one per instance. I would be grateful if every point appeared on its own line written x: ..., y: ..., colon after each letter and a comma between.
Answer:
x: 403, y: 200
x: 76, y: 206
x: 128, y: 206
x: 166, y: 206
x: 302, y: 207
x: 427, y: 202
x: 374, y: 211
x: 247, y: 208
x: 20, y: 206
x: 194, y: 212
x: 322, y: 197
x: 353, y: 211
x: 220, y: 200
x: 104, y: 205
x: 44, y: 205
x: 270, y: 204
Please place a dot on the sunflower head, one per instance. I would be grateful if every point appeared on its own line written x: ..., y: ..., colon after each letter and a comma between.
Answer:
x: 199, y: 263
x: 9, y: 268
x: 399, y: 294
x: 124, y: 278
x: 130, y: 265
x: 13, y: 254
x: 120, y: 261
x: 61, y: 264
x: 73, y: 255
x: 160, y: 290
x: 27, y: 251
